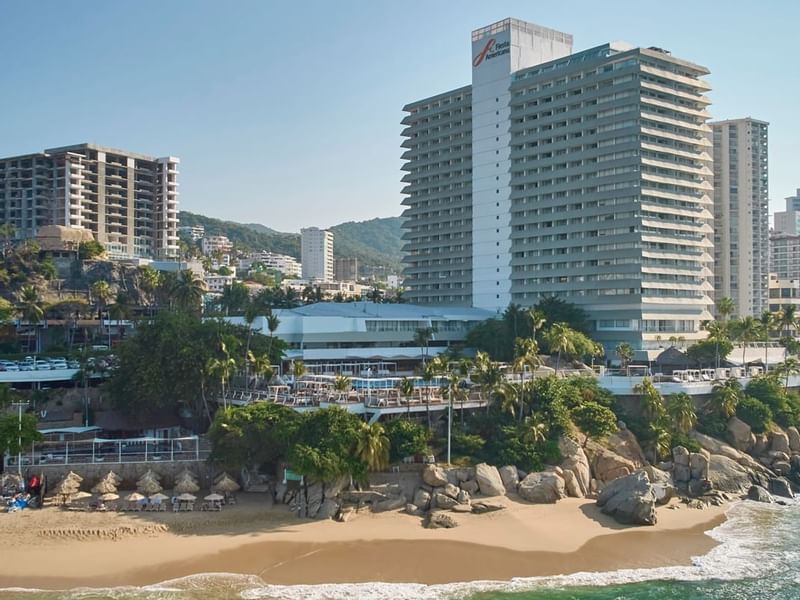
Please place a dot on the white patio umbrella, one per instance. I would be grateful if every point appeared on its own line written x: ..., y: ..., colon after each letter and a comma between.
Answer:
x: 159, y: 497
x: 186, y: 487
x: 214, y: 498
x: 134, y: 497
x: 109, y: 496
x: 187, y: 498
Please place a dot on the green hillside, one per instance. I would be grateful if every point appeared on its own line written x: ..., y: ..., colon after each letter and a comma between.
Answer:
x: 374, y: 243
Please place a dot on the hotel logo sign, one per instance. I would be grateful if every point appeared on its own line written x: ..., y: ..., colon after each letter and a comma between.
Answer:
x: 491, y: 50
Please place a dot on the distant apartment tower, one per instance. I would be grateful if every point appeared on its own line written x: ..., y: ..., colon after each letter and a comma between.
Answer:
x: 128, y: 201
x: 287, y: 265
x: 741, y: 214
x: 316, y: 249
x: 581, y: 176
x: 788, y: 221
x: 345, y: 269
x: 193, y: 232
x: 785, y: 255
x: 214, y: 243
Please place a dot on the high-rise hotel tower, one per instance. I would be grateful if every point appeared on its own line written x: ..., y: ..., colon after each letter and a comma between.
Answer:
x: 584, y: 176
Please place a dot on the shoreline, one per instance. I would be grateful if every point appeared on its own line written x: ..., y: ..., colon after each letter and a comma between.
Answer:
x: 110, y: 550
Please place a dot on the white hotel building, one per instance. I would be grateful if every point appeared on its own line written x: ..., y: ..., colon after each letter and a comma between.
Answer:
x: 584, y: 176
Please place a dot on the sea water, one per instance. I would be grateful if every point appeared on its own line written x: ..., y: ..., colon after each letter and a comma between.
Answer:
x: 758, y: 557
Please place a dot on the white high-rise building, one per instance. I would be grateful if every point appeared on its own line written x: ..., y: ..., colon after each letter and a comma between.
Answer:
x: 585, y: 176
x: 316, y: 249
x: 741, y: 214
x: 788, y: 221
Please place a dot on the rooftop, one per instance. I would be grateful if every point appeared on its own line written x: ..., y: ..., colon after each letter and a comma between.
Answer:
x: 361, y: 310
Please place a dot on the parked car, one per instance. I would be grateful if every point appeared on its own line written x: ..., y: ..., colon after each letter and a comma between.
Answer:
x: 41, y: 365
x: 73, y: 364
x: 9, y: 365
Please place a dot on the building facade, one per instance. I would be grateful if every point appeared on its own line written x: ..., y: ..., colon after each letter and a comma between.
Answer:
x: 741, y: 214
x: 316, y: 253
x: 584, y: 176
x: 193, y: 232
x: 128, y: 201
x: 216, y: 243
x: 345, y: 269
x: 788, y: 221
x: 783, y: 292
x: 785, y: 255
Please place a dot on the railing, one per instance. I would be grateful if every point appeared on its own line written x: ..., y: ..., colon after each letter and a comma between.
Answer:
x: 108, y: 451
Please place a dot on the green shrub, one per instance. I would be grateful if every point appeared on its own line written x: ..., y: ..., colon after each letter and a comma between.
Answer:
x: 406, y: 438
x: 467, y: 445
x: 712, y: 424
x: 595, y: 420
x: 768, y: 390
x: 755, y: 413
x: 681, y: 439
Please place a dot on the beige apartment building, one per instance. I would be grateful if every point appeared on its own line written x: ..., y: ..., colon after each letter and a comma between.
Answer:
x: 128, y: 201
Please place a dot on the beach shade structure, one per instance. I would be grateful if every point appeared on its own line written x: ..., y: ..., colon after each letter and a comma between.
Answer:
x: 226, y: 485
x: 109, y: 496
x: 81, y: 495
x: 186, y: 473
x: 150, y: 475
x: 105, y: 486
x: 186, y: 486
x: 187, y: 498
x: 111, y: 476
x: 214, y: 498
x: 159, y: 497
x: 221, y: 476
x: 73, y: 476
x: 134, y: 497
x: 185, y: 479
x: 149, y: 487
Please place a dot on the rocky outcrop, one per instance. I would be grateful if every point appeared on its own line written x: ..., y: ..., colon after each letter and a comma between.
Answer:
x: 489, y: 481
x: 470, y: 486
x: 740, y: 435
x: 630, y: 500
x: 393, y: 503
x: 443, y: 501
x: 440, y: 520
x: 574, y: 461
x: 328, y: 509
x: 625, y: 444
x: 779, y: 442
x: 756, y: 493
x: 450, y: 490
x: 726, y: 475
x: 662, y: 484
x: 510, y: 477
x: 483, y: 506
x: 542, y: 488
x: 698, y: 465
x: 434, y: 476
x: 715, y: 446
x: 681, y: 472
x: 794, y: 439
x: 422, y: 499
x: 780, y: 486
x: 607, y: 465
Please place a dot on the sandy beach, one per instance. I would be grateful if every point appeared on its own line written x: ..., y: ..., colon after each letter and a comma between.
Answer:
x: 56, y: 549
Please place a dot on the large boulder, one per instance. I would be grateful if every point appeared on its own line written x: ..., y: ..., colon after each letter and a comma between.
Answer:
x: 740, y: 435
x: 794, y: 438
x: 463, y: 497
x: 624, y: 443
x: 715, y: 446
x: 470, y: 486
x: 450, y: 490
x: 443, y: 501
x: 440, y: 520
x: 780, y: 486
x: 314, y: 499
x: 542, y: 488
x: 779, y: 442
x: 571, y: 485
x: 662, y: 483
x: 328, y: 509
x: 607, y: 465
x: 422, y: 499
x: 680, y: 456
x: 575, y: 460
x: 727, y: 475
x: 510, y: 477
x: 761, y: 445
x: 756, y: 493
x: 489, y: 481
x: 482, y: 507
x: 698, y: 465
x: 630, y: 500
x: 434, y: 476
x: 393, y: 503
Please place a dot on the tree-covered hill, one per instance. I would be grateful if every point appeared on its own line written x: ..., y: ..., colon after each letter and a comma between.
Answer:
x: 376, y: 242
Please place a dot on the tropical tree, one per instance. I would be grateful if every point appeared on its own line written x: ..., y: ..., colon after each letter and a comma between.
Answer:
x: 718, y: 332
x: 725, y: 397
x: 510, y: 398
x: 680, y: 409
x: 149, y: 282
x: 187, y: 291
x: 561, y: 339
x: 487, y: 375
x: 422, y: 337
x: 222, y: 368
x: 788, y: 319
x: 31, y: 310
x: 262, y: 366
x: 625, y: 352
x: 537, y: 319
x: 373, y: 446
x: 406, y: 388
x: 652, y: 402
x: 534, y: 429
x: 406, y: 438
x: 725, y: 307
x: 790, y: 366
x: 342, y: 384
x: 768, y: 321
x: 745, y: 331
x: 526, y: 354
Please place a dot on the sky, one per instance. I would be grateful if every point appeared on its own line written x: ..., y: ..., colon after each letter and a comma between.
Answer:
x: 288, y: 113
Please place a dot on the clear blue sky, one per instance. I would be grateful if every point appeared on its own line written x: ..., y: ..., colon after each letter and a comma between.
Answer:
x: 287, y: 113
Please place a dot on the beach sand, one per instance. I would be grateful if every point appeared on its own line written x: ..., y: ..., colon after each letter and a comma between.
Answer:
x: 56, y: 549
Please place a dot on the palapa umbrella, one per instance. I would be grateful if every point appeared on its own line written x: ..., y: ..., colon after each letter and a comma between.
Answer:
x: 105, y: 486
x: 134, y: 497
x: 111, y: 476
x: 109, y: 496
x: 187, y: 498
x: 186, y: 473
x: 214, y: 498
x: 186, y: 487
x: 66, y: 486
x: 159, y: 497
x: 74, y: 476
x: 226, y: 485
x: 81, y: 495
x: 149, y: 486
x: 150, y: 474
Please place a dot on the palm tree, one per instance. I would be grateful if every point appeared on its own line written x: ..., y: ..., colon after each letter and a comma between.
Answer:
x: 652, y: 402
x: 272, y: 325
x: 406, y: 388
x: 537, y: 319
x: 718, y: 331
x: 342, y: 384
x: 298, y: 370
x: 725, y: 307
x: 373, y: 446
x: 767, y: 322
x: 487, y: 375
x: 262, y: 366
x: 725, y: 397
x: 561, y: 339
x: 429, y: 371
x: 746, y: 330
x: 534, y: 429
x: 149, y: 282
x: 31, y: 309
x: 222, y: 369
x: 102, y: 293
x: 509, y: 397
x: 788, y: 319
x: 680, y: 409
x: 625, y: 352
x: 188, y: 291
x: 422, y: 338
x: 790, y: 366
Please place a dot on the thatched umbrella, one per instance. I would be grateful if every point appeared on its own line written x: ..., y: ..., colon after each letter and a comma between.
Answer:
x: 186, y: 473
x: 186, y: 486
x: 111, y: 476
x: 134, y: 497
x: 150, y: 474
x: 226, y: 485
x: 159, y: 497
x: 214, y: 498
x: 105, y: 486
x: 149, y: 486
x: 74, y: 476
x: 187, y: 498
x: 81, y: 495
x: 109, y: 496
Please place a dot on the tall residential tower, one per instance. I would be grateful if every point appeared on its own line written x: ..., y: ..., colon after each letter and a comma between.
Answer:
x: 583, y: 176
x: 128, y: 201
x: 741, y: 214
x: 316, y: 248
